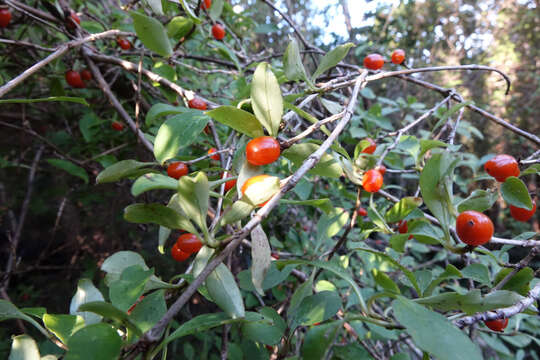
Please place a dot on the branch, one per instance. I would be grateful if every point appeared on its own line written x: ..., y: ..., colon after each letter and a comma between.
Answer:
x: 62, y: 49
x: 502, y: 313
x: 114, y: 101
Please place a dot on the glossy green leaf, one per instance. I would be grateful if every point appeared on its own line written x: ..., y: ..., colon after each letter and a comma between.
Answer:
x: 477, y: 272
x: 178, y: 132
x: 70, y: 167
x: 479, y: 200
x: 533, y: 169
x: 471, y: 302
x: 242, y: 121
x: 154, y: 214
x: 86, y: 292
x: 519, y: 282
x: 153, y: 181
x: 268, y: 331
x: 402, y: 208
x: 161, y: 109
x: 186, y: 225
x: 125, y: 291
x: 9, y: 311
x: 426, y: 145
x: 327, y: 166
x: 226, y: 52
x: 292, y: 62
x: 237, y: 211
x: 163, y: 235
x: 331, y: 59
x: 109, y: 311
x: 319, y: 339
x: 302, y: 291
x: 193, y: 195
x: 450, y: 272
x: 385, y: 281
x: 179, y: 27
x: 63, y: 326
x: 152, y: 34
x: 260, y: 257
x: 324, y: 204
x: 316, y: 308
x: 224, y: 291
x: 120, y: 170
x: 433, y: 333
x: 97, y: 341
x: 514, y: 192
x: 149, y: 310
x: 24, y: 347
x: 266, y: 98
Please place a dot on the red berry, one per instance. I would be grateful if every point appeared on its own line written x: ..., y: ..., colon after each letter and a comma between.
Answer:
x: 229, y: 184
x: 275, y: 255
x: 177, y: 169
x: 73, y: 78
x: 497, y: 325
x: 218, y: 32
x: 71, y: 20
x: 381, y: 169
x: 254, y: 180
x: 206, y: 4
x: 474, y: 228
x: 362, y: 212
x: 207, y: 130
x: 86, y: 75
x: 372, y: 181
x: 521, y: 214
x: 370, y: 149
x: 216, y: 156
x: 398, y: 56
x: 123, y: 43
x: 5, y: 17
x: 178, y: 254
x: 197, y: 103
x: 501, y: 167
x: 403, y: 228
x: 117, y: 125
x: 262, y: 150
x: 189, y: 243
x: 373, y: 62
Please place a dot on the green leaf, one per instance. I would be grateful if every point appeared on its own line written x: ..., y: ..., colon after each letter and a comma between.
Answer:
x: 269, y: 330
x: 331, y: 59
x: 385, y: 281
x: 154, y: 214
x: 406, y: 271
x: 519, y: 282
x: 161, y: 109
x: 471, y: 302
x: 266, y: 98
x: 237, y: 211
x: 125, y: 291
x: 426, y: 145
x: 216, y: 9
x: 186, y: 225
x: 402, y: 208
x: 479, y: 200
x: 193, y: 195
x: 70, y: 167
x: 450, y: 272
x: 179, y: 27
x: 156, y: 6
x: 178, y: 132
x: 327, y: 166
x: 9, y: 311
x: 240, y: 120
x: 261, y: 191
x: 204, y: 322
x: 120, y: 170
x: 260, y: 257
x: 436, y: 187
x: 163, y: 235
x: 188, y: 10
x: 153, y: 181
x: 86, y: 292
x: 477, y: 272
x: 319, y: 339
x: 316, y: 308
x: 47, y: 99
x: 533, y: 169
x: 24, y: 347
x: 227, y: 53
x: 152, y: 34
x: 301, y: 292
x: 514, y: 192
x: 273, y: 277
x: 109, y: 311
x: 98, y: 341
x: 63, y: 326
x: 149, y: 311
x: 433, y: 333
x: 323, y: 204
x: 223, y: 289
x: 292, y: 63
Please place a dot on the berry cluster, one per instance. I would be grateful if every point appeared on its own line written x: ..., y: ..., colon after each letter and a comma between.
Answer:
x: 376, y: 61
